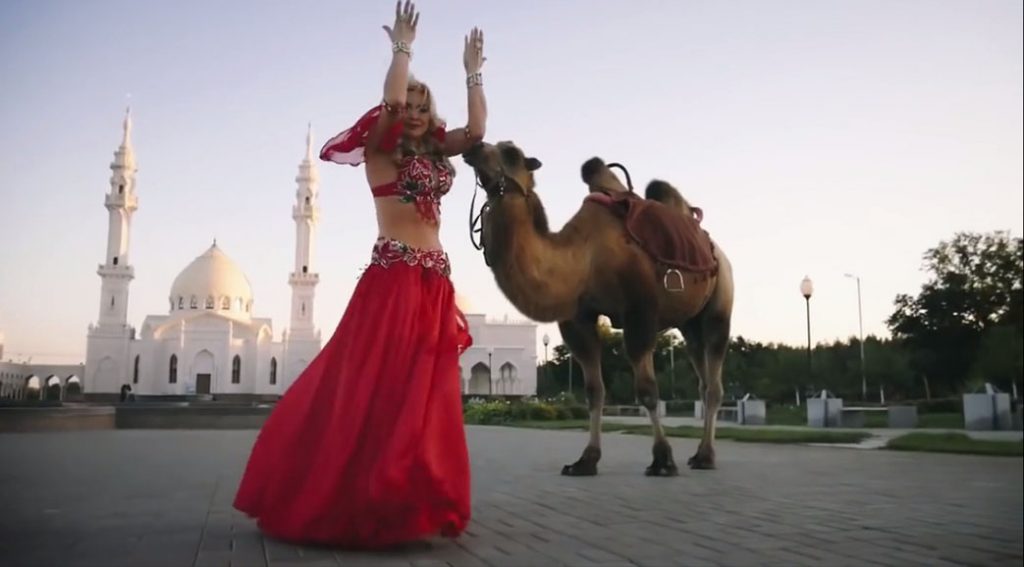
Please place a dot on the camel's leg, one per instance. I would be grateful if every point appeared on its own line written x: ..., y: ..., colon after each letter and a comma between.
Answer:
x: 697, y: 349
x: 640, y: 336
x: 580, y: 335
x: 707, y: 339
x: 716, y: 338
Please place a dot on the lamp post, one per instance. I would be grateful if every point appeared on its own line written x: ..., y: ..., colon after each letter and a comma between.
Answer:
x: 860, y: 324
x: 490, y: 372
x: 545, y: 339
x: 807, y: 289
x: 672, y: 369
x: 570, y: 378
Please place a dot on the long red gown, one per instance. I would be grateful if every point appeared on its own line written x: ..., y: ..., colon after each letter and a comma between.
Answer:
x: 367, y: 447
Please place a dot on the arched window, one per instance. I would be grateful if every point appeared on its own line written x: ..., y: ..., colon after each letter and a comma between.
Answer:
x: 172, y: 377
x: 193, y: 303
x: 236, y: 370
x: 225, y: 303
x: 273, y: 371
x: 181, y: 302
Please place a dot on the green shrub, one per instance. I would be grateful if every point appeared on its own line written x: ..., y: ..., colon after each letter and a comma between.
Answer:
x: 487, y: 413
x: 481, y: 412
x: 679, y: 407
x: 543, y: 412
x: 578, y: 411
x: 944, y: 405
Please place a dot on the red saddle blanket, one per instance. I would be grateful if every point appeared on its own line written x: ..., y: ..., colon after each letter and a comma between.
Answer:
x: 670, y: 237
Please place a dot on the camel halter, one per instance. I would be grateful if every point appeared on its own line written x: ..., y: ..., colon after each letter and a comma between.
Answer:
x: 477, y: 220
x: 629, y: 180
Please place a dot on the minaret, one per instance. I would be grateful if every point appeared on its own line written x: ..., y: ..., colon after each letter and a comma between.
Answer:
x: 116, y: 272
x: 107, y: 344
x: 302, y: 339
x: 306, y: 213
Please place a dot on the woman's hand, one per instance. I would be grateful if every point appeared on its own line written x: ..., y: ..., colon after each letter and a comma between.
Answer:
x: 406, y: 19
x: 473, y: 54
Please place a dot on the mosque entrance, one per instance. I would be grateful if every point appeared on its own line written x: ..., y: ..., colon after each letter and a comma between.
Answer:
x: 202, y: 383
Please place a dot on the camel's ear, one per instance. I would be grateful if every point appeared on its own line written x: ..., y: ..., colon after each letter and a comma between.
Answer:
x: 533, y: 164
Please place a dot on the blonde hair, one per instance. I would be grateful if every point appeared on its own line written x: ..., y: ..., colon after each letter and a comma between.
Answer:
x: 427, y: 145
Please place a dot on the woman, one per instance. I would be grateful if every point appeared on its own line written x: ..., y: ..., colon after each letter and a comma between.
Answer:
x: 367, y: 447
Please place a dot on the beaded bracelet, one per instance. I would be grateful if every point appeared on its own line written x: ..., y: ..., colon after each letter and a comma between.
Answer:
x: 401, y: 46
x: 474, y: 79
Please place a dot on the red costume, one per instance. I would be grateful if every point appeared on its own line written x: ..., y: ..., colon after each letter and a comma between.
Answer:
x: 367, y: 447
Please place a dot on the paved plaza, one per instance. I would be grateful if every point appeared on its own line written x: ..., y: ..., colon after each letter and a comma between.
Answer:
x: 163, y: 497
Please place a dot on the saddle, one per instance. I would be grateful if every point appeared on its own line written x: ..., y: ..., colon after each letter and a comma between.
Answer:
x: 671, y: 238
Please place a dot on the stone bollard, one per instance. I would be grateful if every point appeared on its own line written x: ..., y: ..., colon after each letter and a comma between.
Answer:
x: 902, y: 417
x: 824, y: 411
x: 750, y: 411
x: 987, y: 411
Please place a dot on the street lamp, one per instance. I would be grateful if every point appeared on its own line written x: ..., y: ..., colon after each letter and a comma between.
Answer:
x: 545, y: 339
x: 860, y: 323
x: 490, y: 372
x: 571, y: 395
x: 672, y: 369
x: 807, y: 289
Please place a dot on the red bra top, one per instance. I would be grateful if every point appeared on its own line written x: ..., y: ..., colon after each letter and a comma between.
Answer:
x: 420, y: 180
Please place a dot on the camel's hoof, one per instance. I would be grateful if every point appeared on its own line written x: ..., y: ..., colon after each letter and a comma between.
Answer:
x: 669, y: 469
x: 702, y: 460
x: 586, y: 465
x: 663, y: 464
x: 580, y: 468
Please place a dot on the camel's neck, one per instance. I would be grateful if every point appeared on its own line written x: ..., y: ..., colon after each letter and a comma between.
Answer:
x: 541, y: 273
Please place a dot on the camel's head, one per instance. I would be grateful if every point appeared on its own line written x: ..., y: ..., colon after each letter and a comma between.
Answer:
x: 502, y: 167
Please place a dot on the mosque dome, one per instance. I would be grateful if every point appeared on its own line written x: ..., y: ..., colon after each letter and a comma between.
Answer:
x: 212, y: 281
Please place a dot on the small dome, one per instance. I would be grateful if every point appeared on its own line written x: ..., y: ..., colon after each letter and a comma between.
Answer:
x: 212, y: 281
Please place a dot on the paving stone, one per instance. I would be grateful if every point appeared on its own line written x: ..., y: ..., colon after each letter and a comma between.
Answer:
x: 133, y: 503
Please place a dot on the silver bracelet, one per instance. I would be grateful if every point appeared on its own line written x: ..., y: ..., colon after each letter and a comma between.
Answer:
x: 403, y: 47
x: 474, y: 79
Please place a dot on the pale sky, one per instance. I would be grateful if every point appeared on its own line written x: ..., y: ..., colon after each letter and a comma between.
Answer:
x: 818, y: 137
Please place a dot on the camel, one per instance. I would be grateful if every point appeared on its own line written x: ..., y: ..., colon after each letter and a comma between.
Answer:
x: 591, y: 268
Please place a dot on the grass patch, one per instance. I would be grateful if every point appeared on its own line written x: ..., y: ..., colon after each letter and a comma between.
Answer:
x: 955, y: 443
x: 785, y: 415
x: 744, y: 434
x: 940, y: 420
x: 755, y: 435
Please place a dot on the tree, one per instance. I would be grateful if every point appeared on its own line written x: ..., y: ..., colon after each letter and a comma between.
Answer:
x: 976, y: 285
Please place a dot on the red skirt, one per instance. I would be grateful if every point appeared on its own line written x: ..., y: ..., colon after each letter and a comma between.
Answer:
x: 367, y: 447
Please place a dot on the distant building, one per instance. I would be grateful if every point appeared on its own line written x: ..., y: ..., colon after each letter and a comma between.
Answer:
x: 503, y: 358
x: 209, y: 342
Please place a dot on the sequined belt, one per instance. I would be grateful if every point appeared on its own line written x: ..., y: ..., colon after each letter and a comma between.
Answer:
x: 388, y: 251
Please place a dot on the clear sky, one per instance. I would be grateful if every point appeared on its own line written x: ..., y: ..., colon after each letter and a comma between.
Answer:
x: 819, y: 138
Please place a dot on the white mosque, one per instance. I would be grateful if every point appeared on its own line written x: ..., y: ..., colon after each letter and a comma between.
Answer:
x: 211, y: 342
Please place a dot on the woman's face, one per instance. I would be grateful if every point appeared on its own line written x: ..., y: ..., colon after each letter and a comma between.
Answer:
x: 417, y: 114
